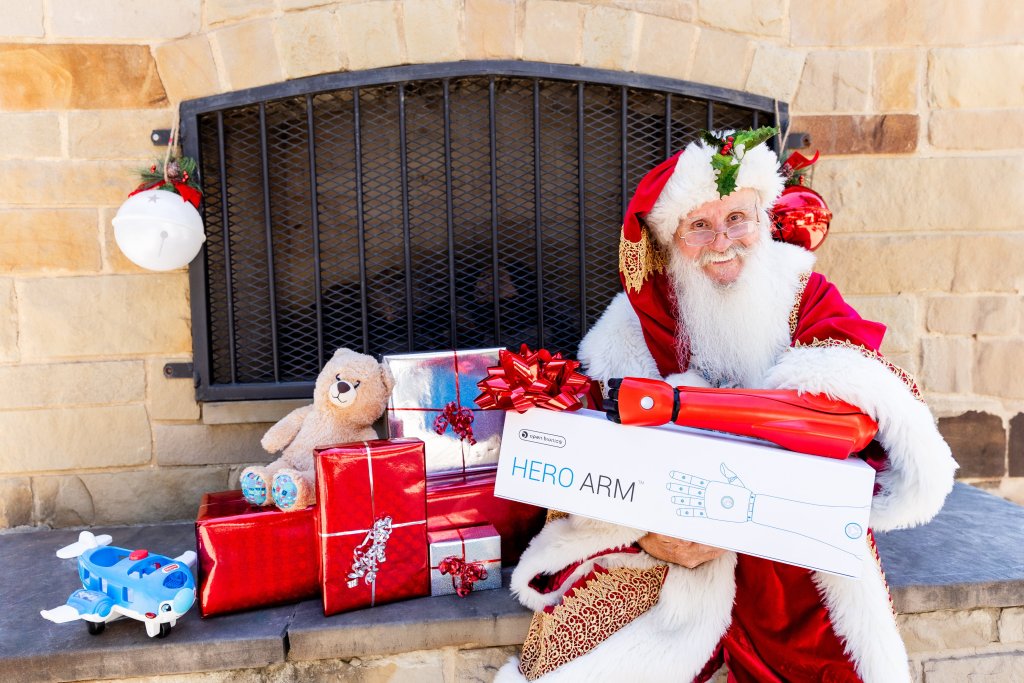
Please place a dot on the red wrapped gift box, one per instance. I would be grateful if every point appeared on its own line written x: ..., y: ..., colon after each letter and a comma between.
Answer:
x: 234, y: 541
x: 371, y: 522
x: 458, y: 501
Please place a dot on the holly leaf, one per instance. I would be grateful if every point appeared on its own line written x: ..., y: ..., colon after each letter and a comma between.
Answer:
x: 751, y: 138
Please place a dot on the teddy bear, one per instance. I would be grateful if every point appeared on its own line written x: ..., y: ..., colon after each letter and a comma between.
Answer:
x: 351, y: 392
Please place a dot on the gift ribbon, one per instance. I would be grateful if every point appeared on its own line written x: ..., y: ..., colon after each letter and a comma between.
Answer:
x: 370, y: 554
x: 464, y: 574
x: 188, y: 194
x: 526, y: 379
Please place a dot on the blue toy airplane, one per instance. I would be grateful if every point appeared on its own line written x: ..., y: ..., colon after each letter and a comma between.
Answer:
x: 117, y: 582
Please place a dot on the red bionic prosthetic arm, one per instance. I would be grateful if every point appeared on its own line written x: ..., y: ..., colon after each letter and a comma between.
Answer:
x: 805, y: 423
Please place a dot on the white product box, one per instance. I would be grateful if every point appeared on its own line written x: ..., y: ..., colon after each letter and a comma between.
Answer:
x: 725, y: 491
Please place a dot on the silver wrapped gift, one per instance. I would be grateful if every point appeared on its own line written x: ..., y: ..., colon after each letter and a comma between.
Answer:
x: 434, y: 392
x: 464, y: 560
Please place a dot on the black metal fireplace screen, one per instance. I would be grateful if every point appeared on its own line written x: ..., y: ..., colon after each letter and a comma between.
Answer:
x: 414, y: 208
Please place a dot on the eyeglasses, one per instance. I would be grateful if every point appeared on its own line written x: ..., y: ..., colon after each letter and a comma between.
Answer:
x: 740, y: 224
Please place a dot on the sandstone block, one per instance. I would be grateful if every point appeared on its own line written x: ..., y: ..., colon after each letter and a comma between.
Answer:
x: 976, y: 77
x: 992, y: 263
x: 56, y: 183
x: 371, y: 35
x: 8, y: 321
x: 49, y: 240
x: 970, y: 130
x: 911, y: 22
x: 834, y: 80
x: 1007, y: 666
x: 900, y: 314
x: 1011, y: 625
x: 490, y: 29
x: 755, y: 17
x: 432, y: 31
x: 310, y: 43
x: 114, y: 260
x: 666, y: 47
x: 78, y: 77
x: 481, y: 664
x: 61, y: 501
x: 937, y: 631
x: 305, y: 4
x: 171, y: 493
x: 30, y: 135
x: 221, y: 11
x: 907, y: 193
x: 964, y: 314
x: 897, y: 77
x: 722, y: 59
x: 860, y: 134
x: 1016, y: 446
x: 240, y: 412
x: 52, y: 385
x: 410, y: 667
x: 776, y: 72
x: 187, y: 68
x: 15, y: 502
x: 248, y: 54
x: 680, y: 10
x: 608, y: 38
x: 74, y: 438
x: 946, y: 364
x: 885, y: 265
x: 170, y: 399
x: 103, y: 316
x: 123, y: 19
x: 552, y: 32
x: 199, y: 444
x: 116, y: 134
x: 1012, y: 489
x: 22, y: 19
x: 996, y: 368
x: 978, y: 442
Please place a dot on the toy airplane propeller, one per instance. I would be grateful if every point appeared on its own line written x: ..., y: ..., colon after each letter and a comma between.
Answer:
x: 118, y: 582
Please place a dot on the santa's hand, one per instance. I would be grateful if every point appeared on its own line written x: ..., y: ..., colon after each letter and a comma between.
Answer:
x: 685, y: 553
x: 642, y: 402
x: 728, y: 501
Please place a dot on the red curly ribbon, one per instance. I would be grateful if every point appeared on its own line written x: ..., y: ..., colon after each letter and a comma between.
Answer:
x: 460, y: 420
x: 532, y: 378
x: 464, y: 574
x: 188, y: 194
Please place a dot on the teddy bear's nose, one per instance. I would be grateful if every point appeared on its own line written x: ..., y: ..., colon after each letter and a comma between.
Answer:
x: 343, y: 387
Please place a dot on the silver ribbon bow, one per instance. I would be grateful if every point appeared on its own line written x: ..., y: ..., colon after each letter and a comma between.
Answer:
x: 370, y: 553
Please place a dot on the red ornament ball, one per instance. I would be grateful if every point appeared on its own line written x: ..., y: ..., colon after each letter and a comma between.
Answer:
x: 801, y: 217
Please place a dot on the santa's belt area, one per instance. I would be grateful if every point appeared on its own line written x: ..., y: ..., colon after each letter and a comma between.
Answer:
x: 967, y: 559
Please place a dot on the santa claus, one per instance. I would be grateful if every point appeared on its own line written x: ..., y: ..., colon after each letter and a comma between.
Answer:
x: 711, y: 300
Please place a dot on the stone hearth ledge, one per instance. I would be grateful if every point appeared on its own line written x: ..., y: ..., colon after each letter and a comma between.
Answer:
x: 967, y: 558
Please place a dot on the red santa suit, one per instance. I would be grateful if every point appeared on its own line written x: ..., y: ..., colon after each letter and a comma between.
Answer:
x: 605, y: 610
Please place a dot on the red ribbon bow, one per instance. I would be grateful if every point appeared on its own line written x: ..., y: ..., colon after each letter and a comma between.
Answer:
x: 464, y: 574
x: 460, y: 419
x: 188, y: 194
x: 532, y: 378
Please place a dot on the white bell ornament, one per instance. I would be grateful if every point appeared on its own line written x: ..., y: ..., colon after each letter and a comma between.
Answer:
x: 158, y: 230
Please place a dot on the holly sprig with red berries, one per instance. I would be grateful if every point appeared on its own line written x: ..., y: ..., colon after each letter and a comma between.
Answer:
x: 731, y: 149
x: 176, y: 174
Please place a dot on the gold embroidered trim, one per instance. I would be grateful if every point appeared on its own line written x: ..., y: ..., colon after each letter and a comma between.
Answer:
x: 555, y: 514
x: 902, y: 374
x: 609, y: 601
x: 881, y: 572
x: 794, y: 313
x: 637, y: 260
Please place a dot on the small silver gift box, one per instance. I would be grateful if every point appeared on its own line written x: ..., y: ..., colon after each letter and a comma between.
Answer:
x: 434, y: 392
x: 464, y: 560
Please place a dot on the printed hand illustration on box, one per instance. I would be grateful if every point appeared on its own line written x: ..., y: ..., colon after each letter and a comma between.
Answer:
x: 732, y: 501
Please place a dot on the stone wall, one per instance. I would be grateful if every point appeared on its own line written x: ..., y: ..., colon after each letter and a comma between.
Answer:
x: 918, y: 107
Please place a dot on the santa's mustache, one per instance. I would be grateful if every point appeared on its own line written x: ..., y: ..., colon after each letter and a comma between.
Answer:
x: 734, y: 250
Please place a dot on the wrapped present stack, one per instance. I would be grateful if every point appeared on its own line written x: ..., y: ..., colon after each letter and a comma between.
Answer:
x: 396, y: 518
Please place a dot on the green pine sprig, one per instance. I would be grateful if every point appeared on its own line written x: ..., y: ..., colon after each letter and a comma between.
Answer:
x: 179, y: 170
x: 729, y: 155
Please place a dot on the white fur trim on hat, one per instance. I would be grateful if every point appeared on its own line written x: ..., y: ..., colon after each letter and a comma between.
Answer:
x: 693, y: 183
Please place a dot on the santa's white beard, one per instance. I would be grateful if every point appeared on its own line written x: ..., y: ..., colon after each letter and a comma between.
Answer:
x: 732, y: 333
